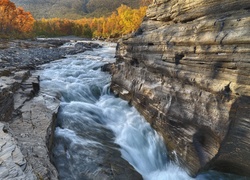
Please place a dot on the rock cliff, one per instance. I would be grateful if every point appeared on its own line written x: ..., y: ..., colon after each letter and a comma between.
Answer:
x: 187, y: 71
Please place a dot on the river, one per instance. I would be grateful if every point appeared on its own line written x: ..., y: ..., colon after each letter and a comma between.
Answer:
x: 91, y: 120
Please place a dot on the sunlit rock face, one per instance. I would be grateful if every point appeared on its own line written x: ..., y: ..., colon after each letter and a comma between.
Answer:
x: 187, y: 71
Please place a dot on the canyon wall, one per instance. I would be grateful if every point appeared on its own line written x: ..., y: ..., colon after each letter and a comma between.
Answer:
x: 186, y: 70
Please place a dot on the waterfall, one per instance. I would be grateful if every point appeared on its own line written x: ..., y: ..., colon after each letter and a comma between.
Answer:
x: 90, y: 119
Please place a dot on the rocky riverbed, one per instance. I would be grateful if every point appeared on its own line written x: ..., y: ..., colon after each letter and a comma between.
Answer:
x: 26, y: 116
x: 29, y: 54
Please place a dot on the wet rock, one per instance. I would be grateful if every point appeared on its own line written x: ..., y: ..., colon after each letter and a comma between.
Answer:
x: 5, y: 72
x: 80, y: 45
x: 97, y: 158
x: 187, y: 71
x: 108, y: 68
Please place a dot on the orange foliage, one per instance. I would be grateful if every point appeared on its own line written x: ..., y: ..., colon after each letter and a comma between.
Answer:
x: 24, y: 20
x: 14, y: 20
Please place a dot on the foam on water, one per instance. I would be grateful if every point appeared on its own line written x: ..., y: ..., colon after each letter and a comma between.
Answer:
x: 88, y: 105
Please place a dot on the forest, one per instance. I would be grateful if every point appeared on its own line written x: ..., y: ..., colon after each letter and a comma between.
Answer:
x: 15, y: 22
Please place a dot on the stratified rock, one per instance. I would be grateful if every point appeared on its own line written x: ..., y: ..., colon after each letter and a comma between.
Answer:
x: 12, y: 162
x: 29, y: 116
x: 9, y: 83
x: 32, y: 126
x: 187, y: 71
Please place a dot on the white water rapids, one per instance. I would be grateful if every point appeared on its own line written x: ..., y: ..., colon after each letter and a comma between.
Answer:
x: 88, y: 111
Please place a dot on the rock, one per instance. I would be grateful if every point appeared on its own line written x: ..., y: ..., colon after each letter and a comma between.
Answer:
x: 29, y: 121
x: 5, y: 72
x: 108, y: 67
x: 187, y: 71
x: 12, y: 162
x: 9, y: 83
x: 29, y: 54
x: 32, y: 122
x: 6, y: 104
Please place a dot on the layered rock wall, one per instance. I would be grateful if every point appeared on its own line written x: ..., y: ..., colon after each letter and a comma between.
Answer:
x: 187, y: 71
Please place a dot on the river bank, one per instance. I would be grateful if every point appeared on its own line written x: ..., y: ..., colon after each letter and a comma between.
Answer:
x: 63, y: 112
x: 26, y: 116
x: 24, y: 54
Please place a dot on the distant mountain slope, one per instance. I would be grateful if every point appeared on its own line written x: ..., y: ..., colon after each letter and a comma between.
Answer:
x: 98, y: 7
x: 72, y: 8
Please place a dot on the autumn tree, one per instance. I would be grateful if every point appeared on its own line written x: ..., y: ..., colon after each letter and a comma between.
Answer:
x: 7, y: 16
x: 14, y: 20
x: 24, y: 20
x: 123, y: 21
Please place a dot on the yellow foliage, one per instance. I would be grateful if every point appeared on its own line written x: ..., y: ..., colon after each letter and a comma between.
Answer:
x: 123, y: 21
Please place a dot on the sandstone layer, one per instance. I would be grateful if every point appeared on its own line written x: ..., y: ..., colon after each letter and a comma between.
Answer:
x: 187, y: 71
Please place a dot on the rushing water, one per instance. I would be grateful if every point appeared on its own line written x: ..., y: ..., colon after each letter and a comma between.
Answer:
x: 87, y: 115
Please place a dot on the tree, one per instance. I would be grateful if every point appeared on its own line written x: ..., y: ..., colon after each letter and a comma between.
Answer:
x: 24, y: 20
x: 123, y: 21
x: 7, y: 11
x: 14, y: 20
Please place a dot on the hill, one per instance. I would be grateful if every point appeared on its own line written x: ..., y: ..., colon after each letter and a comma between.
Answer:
x: 73, y: 9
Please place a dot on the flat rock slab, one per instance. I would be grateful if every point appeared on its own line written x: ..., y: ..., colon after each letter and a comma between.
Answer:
x: 31, y: 127
x: 12, y: 162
